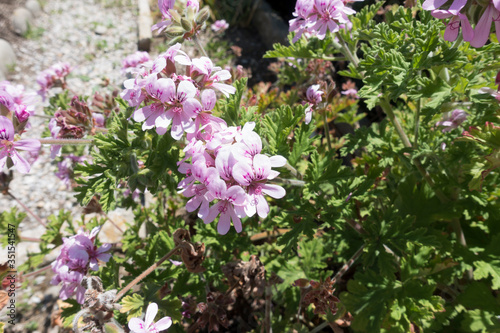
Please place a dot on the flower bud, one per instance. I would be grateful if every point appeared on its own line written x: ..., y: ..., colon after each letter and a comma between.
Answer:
x: 188, y: 26
x: 174, y: 31
x: 175, y: 15
x: 203, y: 15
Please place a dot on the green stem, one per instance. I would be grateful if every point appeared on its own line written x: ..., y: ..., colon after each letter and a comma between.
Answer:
x: 347, y: 51
x: 39, y: 220
x: 319, y: 328
x: 417, y: 123
x: 199, y: 46
x: 327, y: 130
x: 386, y: 106
x: 348, y: 264
x: 294, y: 171
x: 292, y: 182
x: 38, y: 271
x: 66, y: 141
x: 145, y: 273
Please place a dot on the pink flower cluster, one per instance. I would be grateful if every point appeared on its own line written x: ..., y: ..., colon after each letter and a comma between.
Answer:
x: 163, y: 97
x: 219, y: 26
x: 133, y: 62
x: 78, y: 254
x: 457, y: 13
x: 17, y: 100
x: 315, y: 17
x: 53, y: 77
x: 226, y: 165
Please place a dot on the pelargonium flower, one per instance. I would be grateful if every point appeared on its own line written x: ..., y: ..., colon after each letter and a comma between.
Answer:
x: 132, y: 62
x: 137, y: 325
x: 452, y: 120
x: 53, y: 77
x: 78, y: 254
x: 9, y: 147
x: 316, y: 17
x: 219, y: 26
x: 313, y: 98
x: 167, y: 107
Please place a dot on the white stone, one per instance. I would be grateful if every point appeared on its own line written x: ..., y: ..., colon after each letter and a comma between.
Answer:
x: 7, y: 57
x: 34, y: 7
x: 21, y: 20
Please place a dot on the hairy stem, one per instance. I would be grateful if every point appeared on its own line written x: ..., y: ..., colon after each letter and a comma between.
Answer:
x: 319, y: 328
x: 36, y: 217
x: 145, y: 273
x: 292, y: 182
x: 199, y: 46
x: 66, y: 141
x: 327, y: 130
x: 267, y: 318
x: 348, y: 264
x: 37, y: 271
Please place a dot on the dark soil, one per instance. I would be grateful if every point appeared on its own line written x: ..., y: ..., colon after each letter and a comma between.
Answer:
x: 252, y: 51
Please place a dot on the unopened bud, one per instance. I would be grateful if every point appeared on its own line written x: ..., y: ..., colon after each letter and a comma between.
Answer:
x: 175, y: 40
x: 188, y: 26
x: 175, y: 15
x: 174, y: 31
x: 203, y: 15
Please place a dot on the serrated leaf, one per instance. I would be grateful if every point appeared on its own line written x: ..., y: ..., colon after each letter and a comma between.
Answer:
x: 485, y: 269
x: 132, y: 304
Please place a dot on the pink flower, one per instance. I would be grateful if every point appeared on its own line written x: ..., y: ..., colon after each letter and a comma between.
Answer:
x: 219, y: 26
x: 137, y: 325
x: 316, y: 17
x: 313, y: 98
x: 483, y: 27
x: 453, y: 26
x: 77, y: 255
x: 255, y: 177
x: 167, y: 107
x: 452, y: 120
x: 9, y: 147
x: 313, y: 94
x: 53, y: 77
x: 229, y: 207
x: 132, y: 62
x: 165, y: 6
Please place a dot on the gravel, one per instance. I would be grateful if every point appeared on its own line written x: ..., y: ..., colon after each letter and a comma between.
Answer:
x: 93, y: 36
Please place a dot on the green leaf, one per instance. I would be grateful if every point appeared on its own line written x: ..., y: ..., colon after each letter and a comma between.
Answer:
x: 132, y: 304
x: 485, y: 269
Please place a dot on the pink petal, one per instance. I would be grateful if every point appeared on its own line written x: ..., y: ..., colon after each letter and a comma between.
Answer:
x: 32, y: 145
x: 262, y: 206
x: 186, y: 89
x: 433, y: 4
x: 236, y: 221
x: 224, y: 223
x: 482, y: 31
x: 163, y: 323
x: 277, y: 161
x: 261, y: 166
x: 20, y: 163
x: 151, y: 313
x: 274, y: 191
x: 137, y: 325
x: 6, y: 129
x: 192, y: 107
x: 208, y: 99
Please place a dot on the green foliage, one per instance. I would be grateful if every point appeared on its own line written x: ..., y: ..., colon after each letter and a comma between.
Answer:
x: 9, y: 226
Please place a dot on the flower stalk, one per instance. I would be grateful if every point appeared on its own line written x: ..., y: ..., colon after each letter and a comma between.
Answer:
x: 145, y: 273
